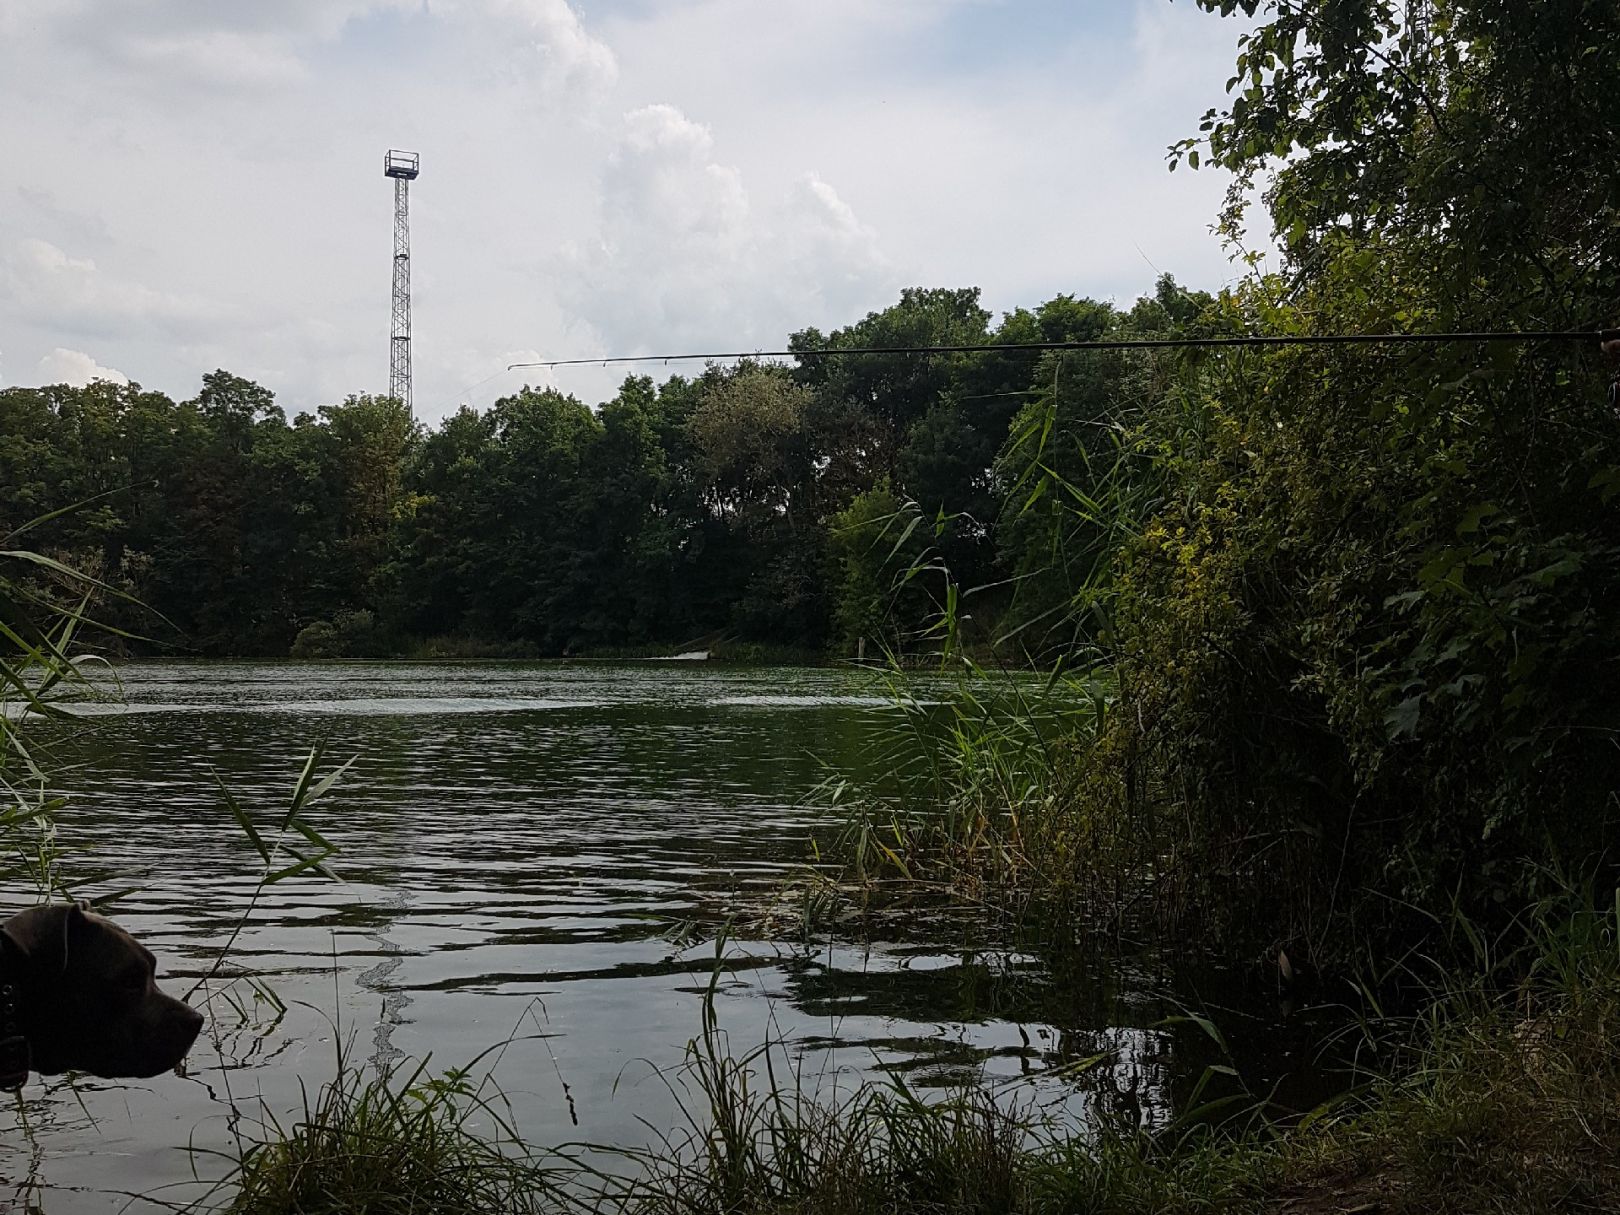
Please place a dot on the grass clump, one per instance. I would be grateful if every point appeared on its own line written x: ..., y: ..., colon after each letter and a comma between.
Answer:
x: 1502, y: 1115
x: 754, y: 1139
x: 1504, y: 1096
x: 886, y: 1150
x: 971, y: 802
x: 392, y: 1144
x: 1499, y: 1112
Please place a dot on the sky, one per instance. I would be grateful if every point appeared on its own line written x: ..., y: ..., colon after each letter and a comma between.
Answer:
x: 196, y: 184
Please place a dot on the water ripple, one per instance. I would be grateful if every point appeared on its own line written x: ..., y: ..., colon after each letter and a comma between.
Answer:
x: 520, y: 844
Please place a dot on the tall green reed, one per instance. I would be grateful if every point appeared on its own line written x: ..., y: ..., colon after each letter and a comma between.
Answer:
x: 398, y: 1141
x: 43, y: 609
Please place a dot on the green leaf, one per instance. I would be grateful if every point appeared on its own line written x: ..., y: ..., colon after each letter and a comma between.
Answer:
x: 243, y: 821
x: 1402, y: 720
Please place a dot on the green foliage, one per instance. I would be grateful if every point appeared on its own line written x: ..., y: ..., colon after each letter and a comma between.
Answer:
x: 1363, y: 647
x: 349, y: 635
x: 232, y: 526
x: 879, y: 545
x: 391, y: 1144
x: 1350, y: 604
x: 1076, y: 478
x: 699, y: 507
x: 1480, y: 128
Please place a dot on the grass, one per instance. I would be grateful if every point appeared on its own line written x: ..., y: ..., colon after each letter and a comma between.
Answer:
x: 1502, y: 1094
x: 1495, y: 1099
x: 973, y: 807
x: 1506, y: 1093
x: 751, y: 1138
x: 1500, y: 1115
x: 392, y: 1143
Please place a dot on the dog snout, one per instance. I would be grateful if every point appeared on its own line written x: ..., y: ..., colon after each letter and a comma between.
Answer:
x: 175, y: 1029
x: 191, y: 1022
x: 188, y: 1023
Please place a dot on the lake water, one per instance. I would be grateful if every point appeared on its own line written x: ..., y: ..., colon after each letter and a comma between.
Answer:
x: 541, y: 848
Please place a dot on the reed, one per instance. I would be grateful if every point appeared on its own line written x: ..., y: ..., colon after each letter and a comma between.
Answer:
x: 43, y: 610
x: 753, y: 1140
x: 399, y: 1142
x: 970, y: 801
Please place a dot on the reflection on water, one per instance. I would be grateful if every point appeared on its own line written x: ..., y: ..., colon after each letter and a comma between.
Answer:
x: 526, y: 848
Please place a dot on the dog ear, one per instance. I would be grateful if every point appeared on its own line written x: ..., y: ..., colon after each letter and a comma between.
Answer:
x: 36, y: 935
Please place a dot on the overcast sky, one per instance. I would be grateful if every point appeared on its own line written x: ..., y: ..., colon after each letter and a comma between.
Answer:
x: 192, y: 184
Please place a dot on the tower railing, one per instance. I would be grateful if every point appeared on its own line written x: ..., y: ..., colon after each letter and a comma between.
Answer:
x: 401, y: 164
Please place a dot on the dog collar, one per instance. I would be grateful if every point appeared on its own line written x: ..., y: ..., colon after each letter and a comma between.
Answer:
x: 16, y: 1057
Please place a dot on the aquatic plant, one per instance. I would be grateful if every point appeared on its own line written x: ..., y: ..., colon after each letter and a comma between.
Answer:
x: 43, y: 605
x: 397, y: 1142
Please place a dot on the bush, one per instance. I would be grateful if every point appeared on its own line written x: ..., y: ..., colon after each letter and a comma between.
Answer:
x: 348, y: 635
x: 1364, y: 654
x: 879, y: 544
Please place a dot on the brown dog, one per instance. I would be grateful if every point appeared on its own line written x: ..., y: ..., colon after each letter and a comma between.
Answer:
x: 76, y: 994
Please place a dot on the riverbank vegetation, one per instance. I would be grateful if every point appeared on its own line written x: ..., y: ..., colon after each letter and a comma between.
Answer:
x: 1478, y: 1103
x: 1351, y: 604
x: 1334, y: 659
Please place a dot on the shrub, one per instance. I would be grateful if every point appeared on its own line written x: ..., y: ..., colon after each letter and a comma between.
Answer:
x: 347, y: 635
x: 1364, y: 659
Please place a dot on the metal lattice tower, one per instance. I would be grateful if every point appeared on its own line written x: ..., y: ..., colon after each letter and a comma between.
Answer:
x: 403, y: 167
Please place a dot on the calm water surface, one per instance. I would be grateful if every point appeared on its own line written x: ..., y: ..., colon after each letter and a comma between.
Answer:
x: 550, y: 849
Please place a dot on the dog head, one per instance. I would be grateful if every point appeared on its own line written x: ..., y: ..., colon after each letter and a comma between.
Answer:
x: 85, y: 996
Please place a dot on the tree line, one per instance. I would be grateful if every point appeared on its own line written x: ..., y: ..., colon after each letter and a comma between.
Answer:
x: 786, y: 505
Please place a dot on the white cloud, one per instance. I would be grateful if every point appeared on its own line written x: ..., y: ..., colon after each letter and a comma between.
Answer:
x: 217, y: 58
x: 51, y: 285
x: 599, y: 177
x: 220, y: 46
x: 684, y: 254
x: 74, y: 367
x: 550, y: 31
x: 230, y: 45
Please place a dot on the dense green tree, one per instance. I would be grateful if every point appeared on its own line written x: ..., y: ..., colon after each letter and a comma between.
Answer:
x: 1071, y: 484
x: 753, y: 457
x: 879, y: 551
x: 748, y: 434
x: 432, y: 578
x: 1366, y: 639
x: 706, y: 506
x: 1480, y: 130
x: 895, y: 390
